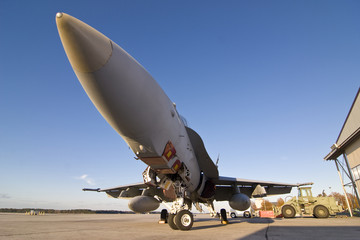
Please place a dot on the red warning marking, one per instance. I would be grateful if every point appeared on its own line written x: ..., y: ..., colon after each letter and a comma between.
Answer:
x: 169, y: 151
x: 176, y: 166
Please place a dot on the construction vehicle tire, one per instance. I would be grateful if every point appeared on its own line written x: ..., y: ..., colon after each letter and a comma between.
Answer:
x: 288, y: 211
x: 321, y: 211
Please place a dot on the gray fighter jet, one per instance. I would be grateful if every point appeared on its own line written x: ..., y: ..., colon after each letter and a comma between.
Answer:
x: 179, y: 169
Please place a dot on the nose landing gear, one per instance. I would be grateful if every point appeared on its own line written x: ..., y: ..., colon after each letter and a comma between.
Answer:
x: 183, y: 220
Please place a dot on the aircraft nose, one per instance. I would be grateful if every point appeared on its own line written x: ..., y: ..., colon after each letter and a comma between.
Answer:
x: 87, y: 49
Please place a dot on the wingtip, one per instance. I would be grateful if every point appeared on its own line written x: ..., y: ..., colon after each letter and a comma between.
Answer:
x: 91, y: 189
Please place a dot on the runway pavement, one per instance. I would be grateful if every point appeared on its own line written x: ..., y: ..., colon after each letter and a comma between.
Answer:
x: 131, y: 226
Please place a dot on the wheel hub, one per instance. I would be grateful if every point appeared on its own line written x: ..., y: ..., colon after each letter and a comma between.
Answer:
x: 186, y: 220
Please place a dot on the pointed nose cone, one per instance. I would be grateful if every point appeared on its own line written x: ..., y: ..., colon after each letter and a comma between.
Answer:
x: 87, y: 49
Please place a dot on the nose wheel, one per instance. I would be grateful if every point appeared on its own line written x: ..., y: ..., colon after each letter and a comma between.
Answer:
x: 183, y: 220
x: 171, y: 222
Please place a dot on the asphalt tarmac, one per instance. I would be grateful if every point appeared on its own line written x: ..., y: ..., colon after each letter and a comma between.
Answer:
x: 145, y: 227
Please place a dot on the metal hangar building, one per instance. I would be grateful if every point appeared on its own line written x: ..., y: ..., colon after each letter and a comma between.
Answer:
x: 347, y: 147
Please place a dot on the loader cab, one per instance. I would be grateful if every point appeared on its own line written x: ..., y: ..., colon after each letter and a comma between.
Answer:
x: 305, y: 195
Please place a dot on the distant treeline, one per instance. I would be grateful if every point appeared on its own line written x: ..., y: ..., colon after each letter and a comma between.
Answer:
x: 71, y: 211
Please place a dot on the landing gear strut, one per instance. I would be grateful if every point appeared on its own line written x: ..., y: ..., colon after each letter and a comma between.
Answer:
x: 180, y: 216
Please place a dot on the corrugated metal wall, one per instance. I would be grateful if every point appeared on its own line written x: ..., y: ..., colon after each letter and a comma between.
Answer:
x: 353, y: 156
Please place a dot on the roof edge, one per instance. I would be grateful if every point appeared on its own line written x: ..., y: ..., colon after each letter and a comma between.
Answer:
x: 335, y: 153
x: 346, y: 119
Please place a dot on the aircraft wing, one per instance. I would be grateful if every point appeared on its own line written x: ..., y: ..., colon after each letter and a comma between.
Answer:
x: 131, y: 190
x: 225, y: 185
x: 124, y: 191
x: 251, y: 188
x: 223, y: 191
x: 240, y: 181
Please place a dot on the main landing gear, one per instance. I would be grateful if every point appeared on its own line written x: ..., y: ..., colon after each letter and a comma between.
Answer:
x: 223, y: 217
x: 164, y: 216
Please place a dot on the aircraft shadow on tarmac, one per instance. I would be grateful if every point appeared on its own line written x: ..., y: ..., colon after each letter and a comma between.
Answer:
x: 216, y: 223
x: 305, y: 232
x: 270, y: 231
x: 237, y: 220
x: 251, y: 220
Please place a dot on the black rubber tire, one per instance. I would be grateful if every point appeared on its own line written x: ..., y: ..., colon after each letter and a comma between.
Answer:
x: 171, y: 222
x: 288, y: 211
x: 223, y: 216
x: 247, y: 214
x: 233, y: 215
x: 184, y: 220
x: 164, y: 215
x: 321, y: 211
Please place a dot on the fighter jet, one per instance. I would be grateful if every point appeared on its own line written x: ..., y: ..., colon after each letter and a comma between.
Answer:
x: 179, y: 170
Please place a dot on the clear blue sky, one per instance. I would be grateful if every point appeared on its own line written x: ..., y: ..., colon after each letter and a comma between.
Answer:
x: 267, y: 84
